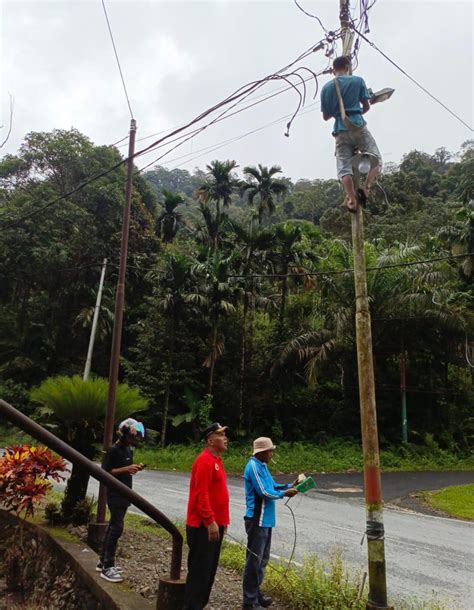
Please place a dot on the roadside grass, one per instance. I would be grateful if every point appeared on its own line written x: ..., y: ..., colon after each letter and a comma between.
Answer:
x: 314, y: 585
x: 336, y: 455
x: 333, y: 456
x: 10, y: 436
x: 456, y: 501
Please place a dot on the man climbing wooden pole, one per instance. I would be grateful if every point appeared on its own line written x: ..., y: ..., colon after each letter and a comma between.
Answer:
x: 372, y: 480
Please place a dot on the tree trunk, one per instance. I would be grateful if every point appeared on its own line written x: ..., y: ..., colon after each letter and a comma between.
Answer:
x: 281, y: 314
x: 242, y: 363
x: 168, y: 382
x: 214, y: 357
x: 76, y: 488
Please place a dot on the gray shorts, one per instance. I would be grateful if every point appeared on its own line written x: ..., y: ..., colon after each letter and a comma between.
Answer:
x: 346, y: 141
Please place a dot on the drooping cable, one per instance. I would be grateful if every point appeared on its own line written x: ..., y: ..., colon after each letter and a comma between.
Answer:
x: 312, y: 16
x: 234, y: 99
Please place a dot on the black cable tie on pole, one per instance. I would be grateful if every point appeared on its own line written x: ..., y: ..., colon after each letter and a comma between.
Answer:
x: 375, y: 530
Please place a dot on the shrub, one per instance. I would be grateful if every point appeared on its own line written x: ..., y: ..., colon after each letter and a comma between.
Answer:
x: 52, y: 513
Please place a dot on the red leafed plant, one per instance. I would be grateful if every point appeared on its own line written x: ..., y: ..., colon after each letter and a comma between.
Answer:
x: 25, y: 474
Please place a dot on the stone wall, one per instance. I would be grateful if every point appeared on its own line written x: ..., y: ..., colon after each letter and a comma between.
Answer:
x: 48, y: 569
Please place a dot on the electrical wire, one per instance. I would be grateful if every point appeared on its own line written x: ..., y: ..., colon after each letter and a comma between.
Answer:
x: 312, y: 16
x: 237, y: 96
x: 219, y: 145
x: 433, y: 97
x: 118, y: 60
x: 256, y: 97
x: 243, y: 92
x: 350, y: 271
x: 227, y: 116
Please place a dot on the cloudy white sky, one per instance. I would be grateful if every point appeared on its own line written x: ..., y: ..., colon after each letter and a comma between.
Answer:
x: 179, y: 58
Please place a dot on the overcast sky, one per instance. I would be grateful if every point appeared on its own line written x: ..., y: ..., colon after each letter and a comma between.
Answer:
x: 179, y: 58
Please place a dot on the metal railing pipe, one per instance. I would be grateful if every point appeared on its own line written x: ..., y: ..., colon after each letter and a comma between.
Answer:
x: 95, y: 471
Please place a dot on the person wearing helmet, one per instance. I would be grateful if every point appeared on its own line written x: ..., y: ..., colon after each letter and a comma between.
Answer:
x: 119, y: 462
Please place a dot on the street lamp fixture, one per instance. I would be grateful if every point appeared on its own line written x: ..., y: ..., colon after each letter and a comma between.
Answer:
x: 380, y: 96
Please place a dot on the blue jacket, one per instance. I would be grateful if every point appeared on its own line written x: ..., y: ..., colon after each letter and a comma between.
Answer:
x: 261, y: 491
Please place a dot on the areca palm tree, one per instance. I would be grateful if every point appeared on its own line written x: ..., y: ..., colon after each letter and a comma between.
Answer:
x: 254, y: 244
x: 169, y: 221
x: 260, y: 185
x: 218, y: 188
x: 216, y: 299
x: 173, y: 295
x: 286, y: 256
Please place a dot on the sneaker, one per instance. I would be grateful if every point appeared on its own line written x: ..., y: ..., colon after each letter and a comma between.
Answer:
x: 111, y: 575
x: 99, y: 567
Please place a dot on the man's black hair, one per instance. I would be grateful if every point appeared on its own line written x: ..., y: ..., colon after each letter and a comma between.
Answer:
x: 341, y: 63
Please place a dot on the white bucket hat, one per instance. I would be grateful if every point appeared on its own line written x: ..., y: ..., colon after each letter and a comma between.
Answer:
x: 263, y: 443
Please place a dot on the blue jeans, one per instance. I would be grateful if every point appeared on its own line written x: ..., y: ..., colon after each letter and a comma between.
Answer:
x: 259, y: 540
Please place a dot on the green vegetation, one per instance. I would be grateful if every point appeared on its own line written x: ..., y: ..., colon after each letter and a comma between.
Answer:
x: 316, y: 585
x: 334, y: 456
x: 76, y: 408
x: 240, y: 299
x: 457, y: 501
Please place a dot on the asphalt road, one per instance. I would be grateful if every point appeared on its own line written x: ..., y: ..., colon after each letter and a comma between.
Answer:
x: 426, y: 555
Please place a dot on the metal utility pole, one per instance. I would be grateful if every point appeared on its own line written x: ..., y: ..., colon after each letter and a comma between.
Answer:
x: 118, y: 318
x: 87, y: 368
x: 377, y: 598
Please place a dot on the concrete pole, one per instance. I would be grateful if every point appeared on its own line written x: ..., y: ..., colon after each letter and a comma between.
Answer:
x: 368, y: 414
x: 87, y: 368
x: 118, y: 318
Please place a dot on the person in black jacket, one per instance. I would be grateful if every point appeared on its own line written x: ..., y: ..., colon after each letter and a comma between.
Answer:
x: 119, y: 462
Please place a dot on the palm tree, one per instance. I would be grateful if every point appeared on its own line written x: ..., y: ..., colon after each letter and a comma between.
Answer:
x: 253, y: 243
x: 409, y: 305
x: 215, y: 297
x: 76, y: 408
x: 167, y: 224
x: 172, y: 299
x: 286, y: 256
x: 261, y: 185
x: 218, y: 188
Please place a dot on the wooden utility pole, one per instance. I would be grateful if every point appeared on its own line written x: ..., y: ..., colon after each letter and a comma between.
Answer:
x: 377, y: 598
x: 118, y: 317
x: 87, y: 368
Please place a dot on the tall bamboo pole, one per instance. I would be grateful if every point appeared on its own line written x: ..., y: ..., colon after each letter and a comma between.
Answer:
x: 368, y: 413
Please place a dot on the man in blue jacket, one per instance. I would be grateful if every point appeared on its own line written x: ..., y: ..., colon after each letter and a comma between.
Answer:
x: 261, y: 491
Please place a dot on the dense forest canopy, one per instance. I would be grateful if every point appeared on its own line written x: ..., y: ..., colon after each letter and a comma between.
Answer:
x: 239, y: 295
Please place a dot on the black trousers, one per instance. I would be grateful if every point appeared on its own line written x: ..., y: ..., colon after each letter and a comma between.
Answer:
x: 112, y: 535
x: 203, y: 559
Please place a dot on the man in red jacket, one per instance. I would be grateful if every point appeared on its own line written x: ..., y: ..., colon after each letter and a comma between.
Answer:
x: 207, y: 517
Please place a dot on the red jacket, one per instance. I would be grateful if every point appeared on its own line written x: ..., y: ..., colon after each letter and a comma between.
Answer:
x: 208, y: 493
